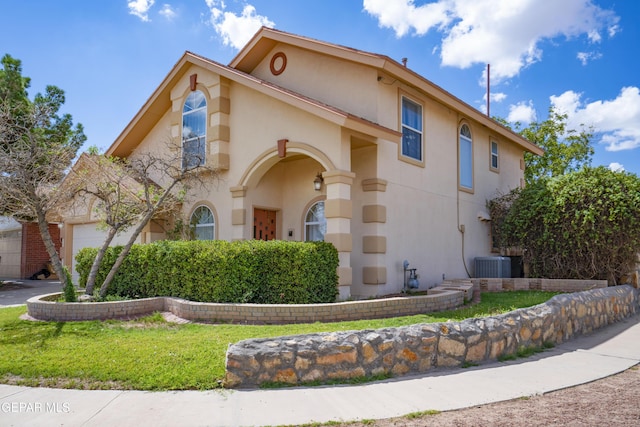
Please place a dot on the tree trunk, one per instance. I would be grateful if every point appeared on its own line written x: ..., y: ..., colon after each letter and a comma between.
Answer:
x: 136, y: 232
x: 125, y: 251
x: 50, y: 246
x: 95, y: 267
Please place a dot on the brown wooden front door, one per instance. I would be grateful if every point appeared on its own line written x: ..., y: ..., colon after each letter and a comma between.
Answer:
x: 264, y: 224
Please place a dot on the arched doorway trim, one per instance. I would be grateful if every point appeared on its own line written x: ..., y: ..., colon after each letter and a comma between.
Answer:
x: 269, y: 158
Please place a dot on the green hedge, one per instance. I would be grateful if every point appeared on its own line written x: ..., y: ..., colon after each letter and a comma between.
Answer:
x: 254, y: 271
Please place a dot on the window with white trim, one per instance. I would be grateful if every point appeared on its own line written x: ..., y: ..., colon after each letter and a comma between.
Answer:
x: 194, y: 125
x: 203, y: 224
x: 411, y: 129
x: 495, y: 160
x: 315, y: 223
x: 465, y: 157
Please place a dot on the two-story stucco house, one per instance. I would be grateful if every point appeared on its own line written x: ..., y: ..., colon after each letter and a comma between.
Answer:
x: 318, y: 141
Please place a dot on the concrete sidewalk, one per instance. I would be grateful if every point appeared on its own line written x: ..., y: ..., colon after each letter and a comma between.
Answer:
x: 606, y: 352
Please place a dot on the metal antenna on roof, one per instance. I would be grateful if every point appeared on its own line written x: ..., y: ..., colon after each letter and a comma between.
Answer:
x: 488, y: 89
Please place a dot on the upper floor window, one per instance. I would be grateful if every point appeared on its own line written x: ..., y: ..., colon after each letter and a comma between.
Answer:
x: 465, y: 157
x: 203, y: 224
x: 411, y: 129
x: 315, y: 223
x: 494, y: 156
x: 194, y: 125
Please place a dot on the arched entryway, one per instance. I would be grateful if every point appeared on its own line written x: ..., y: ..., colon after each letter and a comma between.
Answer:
x: 278, y: 191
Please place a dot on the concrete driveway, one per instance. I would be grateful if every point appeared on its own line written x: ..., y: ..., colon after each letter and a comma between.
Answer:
x: 16, y: 292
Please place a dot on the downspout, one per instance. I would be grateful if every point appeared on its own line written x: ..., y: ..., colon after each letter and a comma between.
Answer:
x: 461, y: 229
x: 488, y: 90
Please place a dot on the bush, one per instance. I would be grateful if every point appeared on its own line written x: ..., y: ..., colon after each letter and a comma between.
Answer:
x: 581, y: 225
x: 68, y: 289
x: 251, y: 271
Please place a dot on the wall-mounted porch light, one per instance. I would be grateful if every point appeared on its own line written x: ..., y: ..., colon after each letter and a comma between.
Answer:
x: 317, y: 183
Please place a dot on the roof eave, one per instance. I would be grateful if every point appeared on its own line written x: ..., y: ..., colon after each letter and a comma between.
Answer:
x: 264, y: 40
x: 446, y: 98
x: 154, y: 108
x: 159, y: 103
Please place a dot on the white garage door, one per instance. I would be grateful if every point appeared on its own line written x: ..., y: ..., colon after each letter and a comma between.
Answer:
x: 88, y: 236
x: 10, y: 253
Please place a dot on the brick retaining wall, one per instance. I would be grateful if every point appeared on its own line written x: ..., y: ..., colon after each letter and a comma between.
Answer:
x: 438, y: 300
x: 41, y: 308
x: 552, y: 285
x: 419, y: 348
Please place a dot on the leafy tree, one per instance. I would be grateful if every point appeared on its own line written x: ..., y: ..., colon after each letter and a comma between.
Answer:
x: 37, y: 145
x: 581, y: 225
x: 566, y: 150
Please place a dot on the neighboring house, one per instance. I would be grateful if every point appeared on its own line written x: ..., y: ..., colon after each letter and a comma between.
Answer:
x: 403, y: 168
x: 22, y: 252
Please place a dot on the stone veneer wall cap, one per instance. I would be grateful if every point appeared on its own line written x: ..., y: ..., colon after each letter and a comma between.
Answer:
x: 238, y: 191
x: 374, y: 184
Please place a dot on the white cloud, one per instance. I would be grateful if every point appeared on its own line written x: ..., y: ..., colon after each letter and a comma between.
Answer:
x: 168, y: 12
x: 403, y: 16
x: 498, y: 96
x: 594, y: 36
x: 616, y: 122
x: 585, y: 57
x: 616, y: 167
x: 505, y: 33
x: 140, y: 8
x: 522, y: 112
x: 613, y: 30
x: 236, y: 30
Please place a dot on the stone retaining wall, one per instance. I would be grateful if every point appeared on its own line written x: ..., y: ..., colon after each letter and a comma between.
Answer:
x: 419, y: 348
x: 437, y: 300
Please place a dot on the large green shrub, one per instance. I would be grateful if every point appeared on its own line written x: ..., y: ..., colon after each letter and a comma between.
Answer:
x: 581, y: 225
x: 218, y: 271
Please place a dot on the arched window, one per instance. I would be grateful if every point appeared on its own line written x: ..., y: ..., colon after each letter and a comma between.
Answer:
x: 203, y: 224
x: 465, y: 157
x: 194, y: 125
x: 315, y: 223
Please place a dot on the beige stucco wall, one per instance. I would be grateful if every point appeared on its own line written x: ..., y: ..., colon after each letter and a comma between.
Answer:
x: 417, y: 208
x: 424, y: 205
x: 351, y: 88
x: 287, y: 186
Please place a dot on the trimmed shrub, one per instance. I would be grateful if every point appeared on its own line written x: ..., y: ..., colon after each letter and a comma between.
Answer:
x: 253, y: 271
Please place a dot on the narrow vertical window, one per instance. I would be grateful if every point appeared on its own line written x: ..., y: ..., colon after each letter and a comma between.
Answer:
x: 411, y: 129
x: 315, y: 223
x: 194, y: 124
x: 465, y: 158
x: 494, y: 156
x: 203, y: 224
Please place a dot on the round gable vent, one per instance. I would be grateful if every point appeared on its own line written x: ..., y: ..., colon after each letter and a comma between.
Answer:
x: 278, y: 63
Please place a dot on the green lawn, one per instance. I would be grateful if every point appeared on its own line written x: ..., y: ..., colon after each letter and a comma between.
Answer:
x: 150, y: 354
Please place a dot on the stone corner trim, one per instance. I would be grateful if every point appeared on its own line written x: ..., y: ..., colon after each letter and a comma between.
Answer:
x: 419, y: 348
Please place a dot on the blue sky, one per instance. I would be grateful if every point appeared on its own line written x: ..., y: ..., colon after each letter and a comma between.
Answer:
x: 581, y: 56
